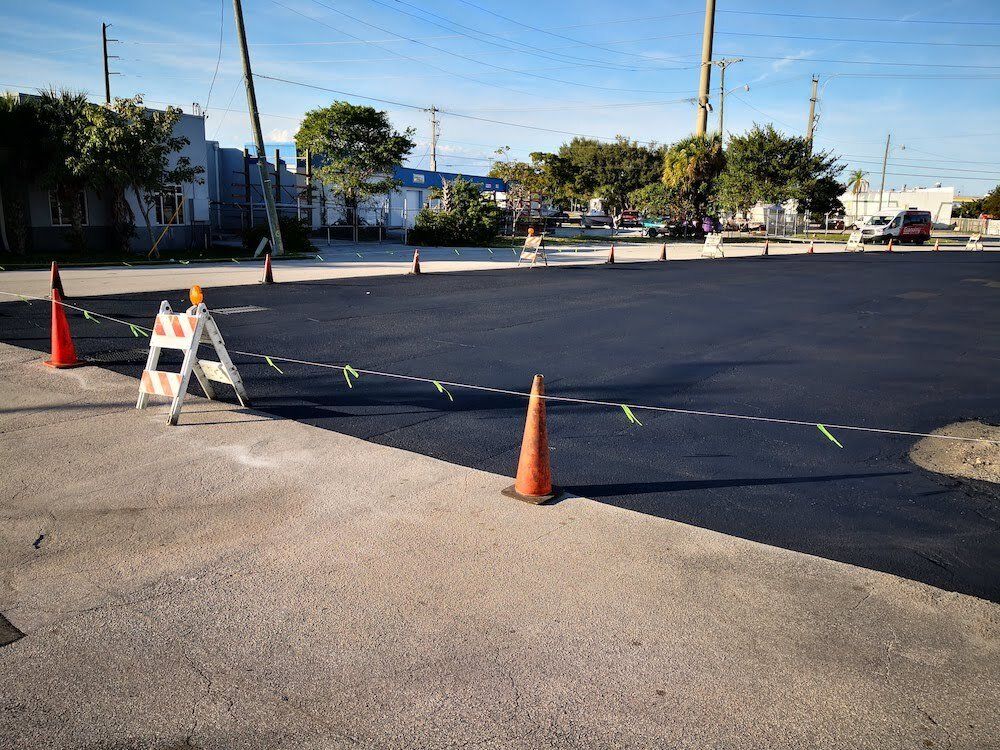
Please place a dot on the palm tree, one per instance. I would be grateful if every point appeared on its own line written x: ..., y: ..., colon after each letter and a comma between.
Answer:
x: 858, y: 184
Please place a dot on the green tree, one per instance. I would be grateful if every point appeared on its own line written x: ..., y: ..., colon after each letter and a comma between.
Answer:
x: 991, y: 203
x: 133, y: 148
x: 586, y: 168
x: 21, y: 158
x: 356, y: 148
x: 652, y: 200
x: 765, y: 166
x: 857, y: 184
x: 62, y: 117
x: 465, y: 217
x: 525, y: 181
x: 691, y: 169
x: 968, y: 209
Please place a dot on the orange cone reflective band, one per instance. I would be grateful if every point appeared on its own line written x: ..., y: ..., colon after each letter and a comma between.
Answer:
x: 268, y: 277
x: 812, y: 247
x: 63, y: 351
x: 55, y: 282
x: 534, y: 474
x: 611, y: 255
x: 416, y: 261
x: 663, y: 251
x: 937, y: 245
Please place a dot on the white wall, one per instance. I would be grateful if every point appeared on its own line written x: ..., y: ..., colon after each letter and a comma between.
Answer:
x: 938, y: 201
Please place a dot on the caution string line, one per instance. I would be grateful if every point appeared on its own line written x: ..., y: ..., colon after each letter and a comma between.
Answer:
x: 270, y: 358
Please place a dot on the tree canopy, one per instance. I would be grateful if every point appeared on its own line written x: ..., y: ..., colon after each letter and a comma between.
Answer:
x: 766, y: 166
x: 356, y: 148
x: 690, y: 170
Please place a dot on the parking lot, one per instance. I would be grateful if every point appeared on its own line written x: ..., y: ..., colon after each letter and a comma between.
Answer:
x: 877, y: 340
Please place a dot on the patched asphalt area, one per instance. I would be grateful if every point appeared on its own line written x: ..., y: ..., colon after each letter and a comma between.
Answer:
x: 893, y: 341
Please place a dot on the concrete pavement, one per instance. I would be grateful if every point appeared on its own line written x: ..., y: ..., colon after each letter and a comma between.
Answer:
x: 348, y: 261
x: 246, y: 582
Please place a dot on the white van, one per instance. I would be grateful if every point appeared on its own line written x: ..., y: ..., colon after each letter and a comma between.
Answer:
x: 909, y: 225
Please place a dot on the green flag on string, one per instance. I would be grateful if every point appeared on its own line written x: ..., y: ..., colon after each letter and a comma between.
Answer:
x: 442, y: 389
x: 827, y: 433
x: 631, y: 417
x: 348, y: 372
x: 271, y: 362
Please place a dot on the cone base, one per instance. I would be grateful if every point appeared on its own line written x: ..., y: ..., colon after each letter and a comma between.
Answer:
x: 60, y: 366
x: 533, y: 499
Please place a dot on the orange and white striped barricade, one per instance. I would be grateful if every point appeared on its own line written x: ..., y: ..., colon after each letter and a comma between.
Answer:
x: 713, y: 246
x: 855, y: 243
x: 184, y: 332
x: 975, y: 242
x: 533, y: 250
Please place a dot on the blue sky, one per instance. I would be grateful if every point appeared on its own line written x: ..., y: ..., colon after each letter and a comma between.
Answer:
x: 598, y: 69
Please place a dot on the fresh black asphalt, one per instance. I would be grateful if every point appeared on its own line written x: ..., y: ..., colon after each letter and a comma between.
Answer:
x: 905, y: 341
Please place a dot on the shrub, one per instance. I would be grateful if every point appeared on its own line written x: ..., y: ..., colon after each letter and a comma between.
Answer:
x: 294, y: 235
x: 466, y: 217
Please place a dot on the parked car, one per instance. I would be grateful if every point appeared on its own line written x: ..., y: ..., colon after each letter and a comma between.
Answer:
x: 657, y: 225
x: 595, y: 219
x: 629, y: 219
x: 910, y: 225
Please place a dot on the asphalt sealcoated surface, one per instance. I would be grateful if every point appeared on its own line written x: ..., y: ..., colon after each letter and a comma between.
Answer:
x: 906, y: 342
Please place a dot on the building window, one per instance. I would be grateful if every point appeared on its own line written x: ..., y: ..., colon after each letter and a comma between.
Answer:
x: 61, y: 211
x: 169, y: 200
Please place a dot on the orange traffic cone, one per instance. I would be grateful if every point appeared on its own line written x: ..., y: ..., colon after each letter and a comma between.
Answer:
x: 812, y: 247
x: 611, y: 255
x: 767, y: 247
x: 534, y: 474
x: 63, y: 351
x: 55, y: 282
x: 416, y: 261
x: 889, y: 249
x: 268, y: 277
x: 663, y: 251
x: 937, y: 246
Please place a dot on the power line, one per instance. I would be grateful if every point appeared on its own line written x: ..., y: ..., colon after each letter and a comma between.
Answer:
x: 442, y: 111
x: 397, y: 54
x: 474, y: 60
x: 793, y: 58
x: 544, y: 31
x: 872, y: 40
x: 218, y: 61
x: 859, y: 18
x: 526, y: 48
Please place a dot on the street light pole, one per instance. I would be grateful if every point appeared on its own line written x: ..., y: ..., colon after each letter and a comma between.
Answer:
x: 723, y: 64
x: 705, y: 81
x: 258, y: 137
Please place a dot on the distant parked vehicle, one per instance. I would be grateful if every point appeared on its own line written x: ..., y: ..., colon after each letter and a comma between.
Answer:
x: 595, y: 219
x: 629, y: 219
x: 903, y: 226
x: 657, y: 225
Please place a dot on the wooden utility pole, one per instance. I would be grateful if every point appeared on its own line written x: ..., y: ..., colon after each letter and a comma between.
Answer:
x: 885, y: 160
x: 265, y: 182
x: 706, y: 68
x: 107, y: 57
x: 811, y: 124
x: 434, y: 138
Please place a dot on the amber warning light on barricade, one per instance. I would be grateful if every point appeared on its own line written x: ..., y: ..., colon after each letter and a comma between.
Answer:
x: 196, y: 296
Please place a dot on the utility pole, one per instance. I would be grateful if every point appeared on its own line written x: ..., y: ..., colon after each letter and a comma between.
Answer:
x: 107, y: 57
x: 723, y: 64
x: 810, y: 126
x: 706, y: 68
x: 265, y: 182
x: 434, y: 138
x: 885, y: 160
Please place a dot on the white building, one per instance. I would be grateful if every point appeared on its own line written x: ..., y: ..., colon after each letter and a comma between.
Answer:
x: 938, y: 200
